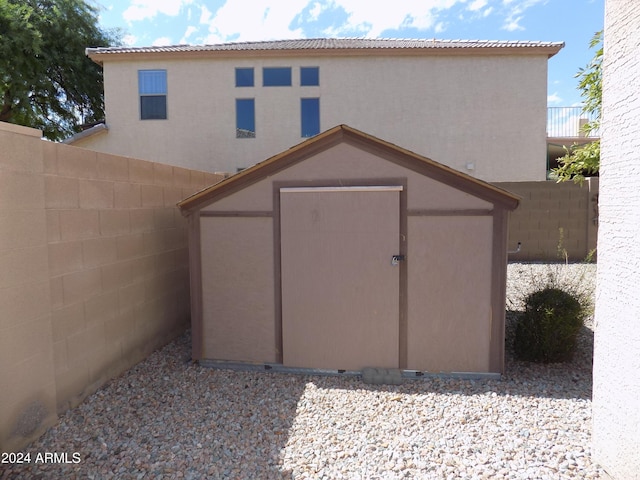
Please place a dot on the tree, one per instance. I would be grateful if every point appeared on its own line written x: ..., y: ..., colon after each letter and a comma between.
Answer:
x: 46, y: 80
x: 584, y: 160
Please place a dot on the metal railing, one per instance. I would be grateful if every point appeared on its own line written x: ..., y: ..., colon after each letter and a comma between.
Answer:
x: 568, y: 122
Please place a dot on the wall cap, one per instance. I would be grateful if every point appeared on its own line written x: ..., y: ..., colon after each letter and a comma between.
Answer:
x: 10, y: 127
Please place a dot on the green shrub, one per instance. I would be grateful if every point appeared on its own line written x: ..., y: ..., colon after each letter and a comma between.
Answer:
x: 549, y: 326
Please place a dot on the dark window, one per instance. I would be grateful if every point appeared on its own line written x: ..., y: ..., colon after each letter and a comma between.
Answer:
x: 245, y: 118
x: 152, y: 87
x: 309, y: 76
x: 244, y: 77
x: 310, y: 116
x: 153, y: 107
x: 276, y: 76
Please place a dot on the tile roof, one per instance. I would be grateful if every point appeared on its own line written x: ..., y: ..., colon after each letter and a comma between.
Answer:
x: 335, y: 44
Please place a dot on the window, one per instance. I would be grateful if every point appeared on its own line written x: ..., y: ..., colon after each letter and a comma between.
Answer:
x: 245, y: 118
x: 310, y: 116
x: 152, y: 87
x: 276, y: 76
x: 309, y: 76
x: 244, y: 77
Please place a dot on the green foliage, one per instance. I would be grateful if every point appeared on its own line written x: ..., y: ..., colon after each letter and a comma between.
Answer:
x: 46, y: 80
x: 591, y: 82
x: 584, y: 160
x: 548, y: 329
x: 579, y: 162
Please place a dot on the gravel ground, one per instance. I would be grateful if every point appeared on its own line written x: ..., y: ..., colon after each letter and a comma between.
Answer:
x: 169, y: 418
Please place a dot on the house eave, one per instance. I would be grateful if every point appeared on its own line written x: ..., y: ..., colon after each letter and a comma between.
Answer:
x: 89, y: 132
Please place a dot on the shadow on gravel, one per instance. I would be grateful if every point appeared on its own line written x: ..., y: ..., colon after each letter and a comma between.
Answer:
x: 170, y: 418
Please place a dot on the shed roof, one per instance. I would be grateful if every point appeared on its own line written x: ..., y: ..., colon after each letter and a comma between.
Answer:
x: 335, y: 47
x: 334, y: 136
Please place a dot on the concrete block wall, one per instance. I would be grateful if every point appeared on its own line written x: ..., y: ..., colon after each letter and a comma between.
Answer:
x: 552, y: 214
x: 95, y: 251
x: 27, y: 373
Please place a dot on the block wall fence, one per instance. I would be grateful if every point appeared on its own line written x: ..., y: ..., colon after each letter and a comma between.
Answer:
x: 93, y: 272
x: 551, y: 215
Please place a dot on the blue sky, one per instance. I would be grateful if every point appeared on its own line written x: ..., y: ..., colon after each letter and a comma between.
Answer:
x: 172, y: 22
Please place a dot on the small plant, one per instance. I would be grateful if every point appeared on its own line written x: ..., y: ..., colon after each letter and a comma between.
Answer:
x: 549, y: 326
x: 590, y: 258
x: 562, y: 251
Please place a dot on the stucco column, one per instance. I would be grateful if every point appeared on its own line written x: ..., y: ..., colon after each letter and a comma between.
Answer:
x: 616, y: 388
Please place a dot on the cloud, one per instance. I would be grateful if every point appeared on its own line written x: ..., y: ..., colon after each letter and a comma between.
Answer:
x: 144, y: 9
x: 554, y: 98
x: 265, y: 20
x: 190, y: 31
x: 161, y: 42
x: 515, y: 11
x: 129, y: 40
x: 476, y: 5
x: 316, y: 10
x: 205, y: 15
x: 268, y: 19
x: 513, y: 24
x: 373, y: 18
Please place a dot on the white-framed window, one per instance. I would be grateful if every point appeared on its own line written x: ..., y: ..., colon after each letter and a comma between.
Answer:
x: 152, y: 88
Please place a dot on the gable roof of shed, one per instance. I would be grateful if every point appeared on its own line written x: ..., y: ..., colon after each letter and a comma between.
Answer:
x: 334, y: 136
x: 334, y: 47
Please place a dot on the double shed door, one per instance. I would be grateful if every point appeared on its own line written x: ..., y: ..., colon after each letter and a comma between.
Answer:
x: 340, y: 287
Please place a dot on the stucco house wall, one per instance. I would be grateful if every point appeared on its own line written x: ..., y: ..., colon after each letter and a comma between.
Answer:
x: 479, y: 110
x: 616, y: 367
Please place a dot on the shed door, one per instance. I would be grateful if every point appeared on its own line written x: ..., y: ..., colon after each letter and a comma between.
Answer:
x: 340, y: 291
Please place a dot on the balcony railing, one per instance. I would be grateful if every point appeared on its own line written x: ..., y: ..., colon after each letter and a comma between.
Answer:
x: 568, y: 122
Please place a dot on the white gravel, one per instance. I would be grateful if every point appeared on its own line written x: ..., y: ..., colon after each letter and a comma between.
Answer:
x: 169, y: 418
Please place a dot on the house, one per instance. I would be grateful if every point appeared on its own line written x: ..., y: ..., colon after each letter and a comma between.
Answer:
x: 476, y: 106
x: 346, y: 252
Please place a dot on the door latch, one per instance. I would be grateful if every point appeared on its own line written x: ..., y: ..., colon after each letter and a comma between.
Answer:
x: 396, y: 259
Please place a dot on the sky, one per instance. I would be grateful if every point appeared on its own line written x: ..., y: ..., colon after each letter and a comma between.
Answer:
x: 198, y: 22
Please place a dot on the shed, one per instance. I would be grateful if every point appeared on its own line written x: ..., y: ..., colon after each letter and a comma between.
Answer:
x: 346, y: 252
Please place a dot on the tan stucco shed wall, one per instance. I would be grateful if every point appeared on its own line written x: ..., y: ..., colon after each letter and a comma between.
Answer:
x: 345, y: 162
x: 449, y: 108
x: 237, y: 276
x: 453, y: 241
x: 449, y: 290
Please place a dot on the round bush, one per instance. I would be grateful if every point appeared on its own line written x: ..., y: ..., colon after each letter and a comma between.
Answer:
x: 548, y: 329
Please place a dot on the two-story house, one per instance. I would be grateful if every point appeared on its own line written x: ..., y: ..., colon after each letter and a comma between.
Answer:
x: 477, y: 106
